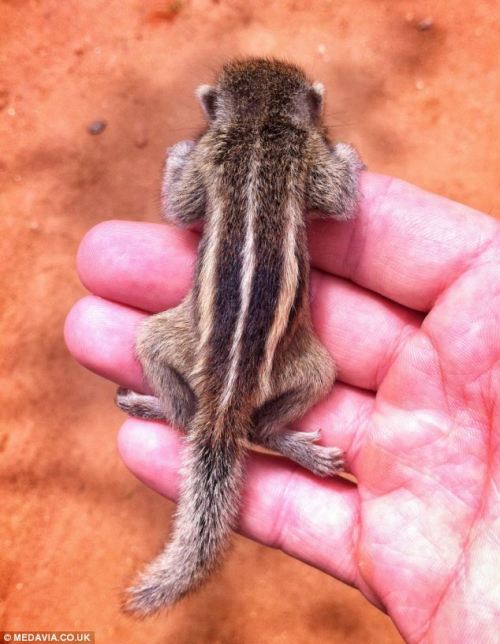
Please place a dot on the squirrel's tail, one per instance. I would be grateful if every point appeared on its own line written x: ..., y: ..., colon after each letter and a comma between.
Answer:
x: 206, y: 513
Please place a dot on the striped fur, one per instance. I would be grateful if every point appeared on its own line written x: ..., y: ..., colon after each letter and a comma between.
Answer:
x: 251, y: 361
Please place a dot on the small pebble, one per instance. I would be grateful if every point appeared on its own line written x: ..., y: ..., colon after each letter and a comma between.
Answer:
x: 96, y: 127
x: 425, y: 24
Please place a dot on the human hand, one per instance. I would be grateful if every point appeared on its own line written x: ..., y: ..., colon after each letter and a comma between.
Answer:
x: 406, y: 299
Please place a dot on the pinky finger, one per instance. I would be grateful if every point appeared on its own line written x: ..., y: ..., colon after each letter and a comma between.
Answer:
x: 283, y: 506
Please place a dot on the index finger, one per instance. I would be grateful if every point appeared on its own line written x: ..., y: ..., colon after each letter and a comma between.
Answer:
x: 406, y: 244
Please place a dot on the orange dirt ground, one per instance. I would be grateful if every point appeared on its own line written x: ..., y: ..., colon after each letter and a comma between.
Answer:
x: 420, y: 103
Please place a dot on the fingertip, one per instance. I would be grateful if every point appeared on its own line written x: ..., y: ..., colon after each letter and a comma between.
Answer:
x: 122, y: 261
x: 100, y: 336
x: 151, y: 451
x: 373, y: 184
x: 75, y: 327
x: 93, y: 247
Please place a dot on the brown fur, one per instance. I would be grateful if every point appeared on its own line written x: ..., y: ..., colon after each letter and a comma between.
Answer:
x: 238, y: 359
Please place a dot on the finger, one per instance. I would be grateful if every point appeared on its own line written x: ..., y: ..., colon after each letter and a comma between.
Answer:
x: 406, y: 244
x: 100, y: 335
x: 283, y: 506
x: 148, y: 266
x: 362, y: 330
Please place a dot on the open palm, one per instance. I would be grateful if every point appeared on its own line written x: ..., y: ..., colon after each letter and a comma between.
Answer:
x: 406, y: 298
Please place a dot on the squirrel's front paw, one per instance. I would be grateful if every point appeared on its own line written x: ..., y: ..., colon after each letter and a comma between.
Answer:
x: 177, y: 154
x: 350, y: 155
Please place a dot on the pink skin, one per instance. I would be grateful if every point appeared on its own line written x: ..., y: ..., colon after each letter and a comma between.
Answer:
x: 407, y: 301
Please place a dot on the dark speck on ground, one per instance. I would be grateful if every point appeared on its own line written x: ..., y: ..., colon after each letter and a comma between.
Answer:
x: 96, y: 127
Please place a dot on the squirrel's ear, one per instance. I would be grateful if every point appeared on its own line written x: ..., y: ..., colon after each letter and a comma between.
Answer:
x: 208, y: 98
x: 315, y: 96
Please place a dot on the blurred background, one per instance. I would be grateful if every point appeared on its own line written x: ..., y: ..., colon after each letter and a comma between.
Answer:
x: 91, y: 93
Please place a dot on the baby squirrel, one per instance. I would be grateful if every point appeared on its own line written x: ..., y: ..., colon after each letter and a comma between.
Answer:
x: 238, y: 359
